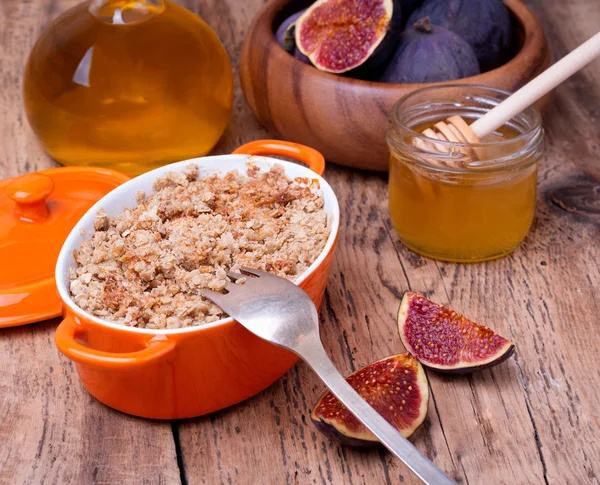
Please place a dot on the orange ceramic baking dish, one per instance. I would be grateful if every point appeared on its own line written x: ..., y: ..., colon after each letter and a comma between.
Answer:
x: 181, y: 373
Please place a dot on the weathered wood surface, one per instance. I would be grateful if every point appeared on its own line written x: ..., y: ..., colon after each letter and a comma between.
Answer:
x: 532, y: 420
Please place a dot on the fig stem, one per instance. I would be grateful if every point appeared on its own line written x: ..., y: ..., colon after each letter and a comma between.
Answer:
x: 423, y: 25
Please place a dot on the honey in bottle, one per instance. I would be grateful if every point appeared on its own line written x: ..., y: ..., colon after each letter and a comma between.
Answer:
x: 129, y: 85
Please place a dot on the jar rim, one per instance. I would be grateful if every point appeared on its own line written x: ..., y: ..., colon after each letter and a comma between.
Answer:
x: 527, y: 142
x: 532, y: 112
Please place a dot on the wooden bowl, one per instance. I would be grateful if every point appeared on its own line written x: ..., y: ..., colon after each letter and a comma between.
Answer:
x: 346, y: 119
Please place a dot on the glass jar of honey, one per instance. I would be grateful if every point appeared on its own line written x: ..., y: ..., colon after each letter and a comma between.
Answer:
x: 128, y: 85
x: 447, y: 206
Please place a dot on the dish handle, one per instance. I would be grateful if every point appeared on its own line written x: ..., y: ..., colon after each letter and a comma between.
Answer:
x: 302, y: 153
x: 156, y: 347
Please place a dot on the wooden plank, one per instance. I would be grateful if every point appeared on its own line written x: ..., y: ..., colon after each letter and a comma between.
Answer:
x: 20, y: 25
x: 492, y: 427
x: 51, y: 430
x: 531, y: 420
x: 558, y: 272
x: 574, y: 118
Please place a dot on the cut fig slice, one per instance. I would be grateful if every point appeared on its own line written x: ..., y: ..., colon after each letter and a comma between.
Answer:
x: 396, y: 387
x: 447, y: 341
x: 341, y: 36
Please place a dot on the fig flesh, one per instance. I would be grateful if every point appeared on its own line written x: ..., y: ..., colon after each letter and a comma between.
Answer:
x: 484, y: 24
x: 396, y: 387
x: 447, y: 341
x: 349, y: 36
x: 427, y: 54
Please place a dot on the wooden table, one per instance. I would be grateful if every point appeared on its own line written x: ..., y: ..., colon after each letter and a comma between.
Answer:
x: 532, y: 420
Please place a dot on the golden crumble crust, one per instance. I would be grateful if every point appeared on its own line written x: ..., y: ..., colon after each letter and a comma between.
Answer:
x: 145, y: 267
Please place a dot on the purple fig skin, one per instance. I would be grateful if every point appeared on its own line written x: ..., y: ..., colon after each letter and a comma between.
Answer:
x: 468, y: 370
x: 485, y: 25
x: 428, y: 54
x: 329, y: 431
x: 282, y: 30
x: 301, y: 57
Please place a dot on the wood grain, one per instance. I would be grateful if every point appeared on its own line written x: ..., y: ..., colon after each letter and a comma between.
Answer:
x: 52, y: 431
x: 532, y: 420
x: 345, y: 118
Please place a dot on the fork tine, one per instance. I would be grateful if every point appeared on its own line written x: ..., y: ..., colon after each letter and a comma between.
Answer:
x: 217, y: 296
x: 234, y: 276
x: 255, y: 272
x: 211, y: 295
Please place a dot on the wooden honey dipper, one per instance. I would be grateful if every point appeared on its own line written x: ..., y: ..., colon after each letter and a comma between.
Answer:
x: 456, y: 129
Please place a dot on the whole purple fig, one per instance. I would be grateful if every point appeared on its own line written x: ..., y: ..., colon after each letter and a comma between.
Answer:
x: 285, y: 32
x: 284, y: 35
x: 484, y: 24
x: 427, y: 54
x: 298, y: 55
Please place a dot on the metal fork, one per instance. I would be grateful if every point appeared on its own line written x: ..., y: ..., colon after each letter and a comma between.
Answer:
x: 280, y: 312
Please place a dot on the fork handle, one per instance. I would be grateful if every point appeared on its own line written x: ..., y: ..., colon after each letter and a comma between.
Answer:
x: 316, y: 357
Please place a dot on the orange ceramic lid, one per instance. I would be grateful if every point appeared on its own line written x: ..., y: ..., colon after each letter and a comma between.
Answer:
x: 37, y: 212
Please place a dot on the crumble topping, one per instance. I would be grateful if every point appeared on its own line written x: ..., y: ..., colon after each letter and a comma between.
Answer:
x: 145, y: 267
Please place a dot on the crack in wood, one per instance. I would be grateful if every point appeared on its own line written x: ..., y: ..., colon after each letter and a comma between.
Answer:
x: 297, y: 390
x: 351, y: 307
x: 437, y: 412
x: 500, y: 394
x: 476, y: 406
x: 464, y: 473
x: 282, y: 446
x: 179, y: 453
x: 40, y: 447
x: 442, y: 280
x: 389, y: 232
x: 368, y: 324
x: 213, y: 420
x: 390, y: 287
x: 386, y: 469
x: 343, y: 341
x: 346, y: 468
x: 571, y: 395
x: 536, y: 436
x: 327, y: 463
x: 321, y: 475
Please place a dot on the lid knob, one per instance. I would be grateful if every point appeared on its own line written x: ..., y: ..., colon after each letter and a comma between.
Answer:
x: 30, y: 192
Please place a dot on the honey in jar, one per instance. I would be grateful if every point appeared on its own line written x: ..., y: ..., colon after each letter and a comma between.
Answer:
x: 129, y: 85
x: 462, y: 212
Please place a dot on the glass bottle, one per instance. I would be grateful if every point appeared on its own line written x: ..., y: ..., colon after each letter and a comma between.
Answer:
x: 129, y: 85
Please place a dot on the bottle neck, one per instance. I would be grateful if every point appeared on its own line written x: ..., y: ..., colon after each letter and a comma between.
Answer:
x: 121, y: 12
